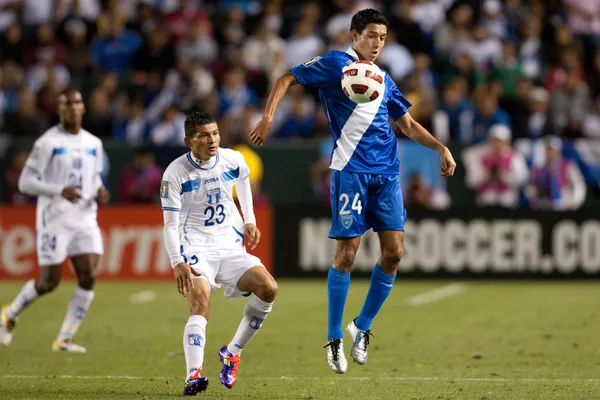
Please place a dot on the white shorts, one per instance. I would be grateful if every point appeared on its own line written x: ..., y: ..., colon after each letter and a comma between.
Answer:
x: 56, y: 242
x: 222, y: 267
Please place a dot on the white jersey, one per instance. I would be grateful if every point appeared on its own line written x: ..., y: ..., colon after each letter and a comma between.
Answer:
x: 200, y: 192
x: 60, y: 159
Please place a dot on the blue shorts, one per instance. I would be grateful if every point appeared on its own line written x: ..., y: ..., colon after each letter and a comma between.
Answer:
x: 360, y: 202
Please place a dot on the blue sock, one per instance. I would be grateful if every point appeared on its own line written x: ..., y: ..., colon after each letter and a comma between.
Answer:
x: 381, y: 286
x: 337, y: 289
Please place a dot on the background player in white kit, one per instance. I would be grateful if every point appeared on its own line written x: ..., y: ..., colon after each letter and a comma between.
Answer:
x: 204, y: 236
x: 63, y: 171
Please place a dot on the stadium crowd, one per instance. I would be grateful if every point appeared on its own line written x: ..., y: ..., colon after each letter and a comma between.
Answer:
x: 514, y: 80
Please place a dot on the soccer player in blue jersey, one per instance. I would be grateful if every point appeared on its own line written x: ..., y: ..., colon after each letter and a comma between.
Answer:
x: 365, y: 183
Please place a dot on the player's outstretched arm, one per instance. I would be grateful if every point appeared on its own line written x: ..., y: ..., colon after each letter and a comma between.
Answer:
x: 417, y: 133
x: 260, y: 133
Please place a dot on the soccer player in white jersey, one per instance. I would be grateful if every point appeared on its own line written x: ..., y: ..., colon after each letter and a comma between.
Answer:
x: 205, y: 239
x: 63, y: 171
x: 365, y: 183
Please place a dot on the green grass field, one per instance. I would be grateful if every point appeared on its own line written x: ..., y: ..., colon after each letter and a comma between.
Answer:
x: 536, y: 341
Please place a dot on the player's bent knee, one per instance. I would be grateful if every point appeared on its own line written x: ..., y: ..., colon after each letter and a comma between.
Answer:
x: 344, y: 258
x: 43, y: 286
x: 393, y: 256
x: 267, y: 290
x: 86, y: 281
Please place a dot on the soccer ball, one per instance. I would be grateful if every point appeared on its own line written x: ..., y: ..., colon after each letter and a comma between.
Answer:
x: 362, y: 81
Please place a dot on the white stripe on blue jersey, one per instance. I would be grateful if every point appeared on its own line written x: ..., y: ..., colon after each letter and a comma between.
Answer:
x: 363, y: 138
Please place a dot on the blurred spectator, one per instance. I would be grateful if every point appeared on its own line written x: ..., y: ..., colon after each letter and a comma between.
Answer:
x: 140, y: 180
x: 494, y: 20
x: 507, y: 73
x: 530, y: 50
x: 187, y: 16
x: 558, y: 184
x: 454, y: 30
x: 155, y: 55
x: 132, y: 124
x: 412, y: 36
x: 485, y: 51
x: 8, y: 98
x: 420, y: 195
x: 487, y: 114
x: 304, y: 44
x: 260, y: 48
x: 78, y: 58
x: 98, y: 118
x: 168, y: 131
x: 12, y: 45
x: 538, y: 123
x: 190, y: 82
x: 9, y: 14
x: 428, y: 14
x: 453, y: 119
x: 568, y: 64
x: 569, y: 103
x: 114, y: 51
x: 517, y: 106
x: 593, y: 77
x: 235, y: 93
x: 47, y: 67
x: 11, y: 181
x: 494, y: 170
x: 295, y: 117
x: 340, y: 22
x: 45, y: 46
x: 591, y: 122
x: 26, y: 120
x: 199, y: 46
x: 422, y: 98
x: 396, y: 58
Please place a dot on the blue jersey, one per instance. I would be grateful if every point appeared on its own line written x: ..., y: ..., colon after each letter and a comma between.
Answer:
x: 364, y: 140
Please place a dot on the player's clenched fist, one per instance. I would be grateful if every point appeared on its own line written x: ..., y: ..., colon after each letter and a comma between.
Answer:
x: 253, y: 234
x: 183, y: 275
x: 71, y: 193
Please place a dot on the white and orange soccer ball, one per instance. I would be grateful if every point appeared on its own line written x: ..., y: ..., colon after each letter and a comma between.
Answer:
x: 362, y: 81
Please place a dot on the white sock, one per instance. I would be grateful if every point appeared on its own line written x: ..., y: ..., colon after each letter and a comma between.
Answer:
x: 76, y: 310
x: 255, y: 313
x: 25, y: 297
x: 194, y: 338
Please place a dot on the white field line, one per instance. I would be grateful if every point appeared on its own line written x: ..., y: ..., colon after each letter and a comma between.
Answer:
x: 145, y: 296
x: 453, y: 289
x: 322, y: 378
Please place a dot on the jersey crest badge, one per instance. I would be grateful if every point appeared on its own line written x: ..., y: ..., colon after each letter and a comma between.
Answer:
x: 214, y: 195
x: 311, y: 61
x: 35, y: 153
x: 77, y: 163
x: 164, y: 189
x: 346, y: 220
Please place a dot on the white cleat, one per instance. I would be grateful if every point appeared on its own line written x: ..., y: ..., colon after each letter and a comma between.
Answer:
x: 360, y: 343
x: 7, y: 326
x: 335, y: 356
x: 68, y: 346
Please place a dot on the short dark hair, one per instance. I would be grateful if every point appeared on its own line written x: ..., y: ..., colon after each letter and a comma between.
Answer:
x: 195, y: 119
x: 361, y: 19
